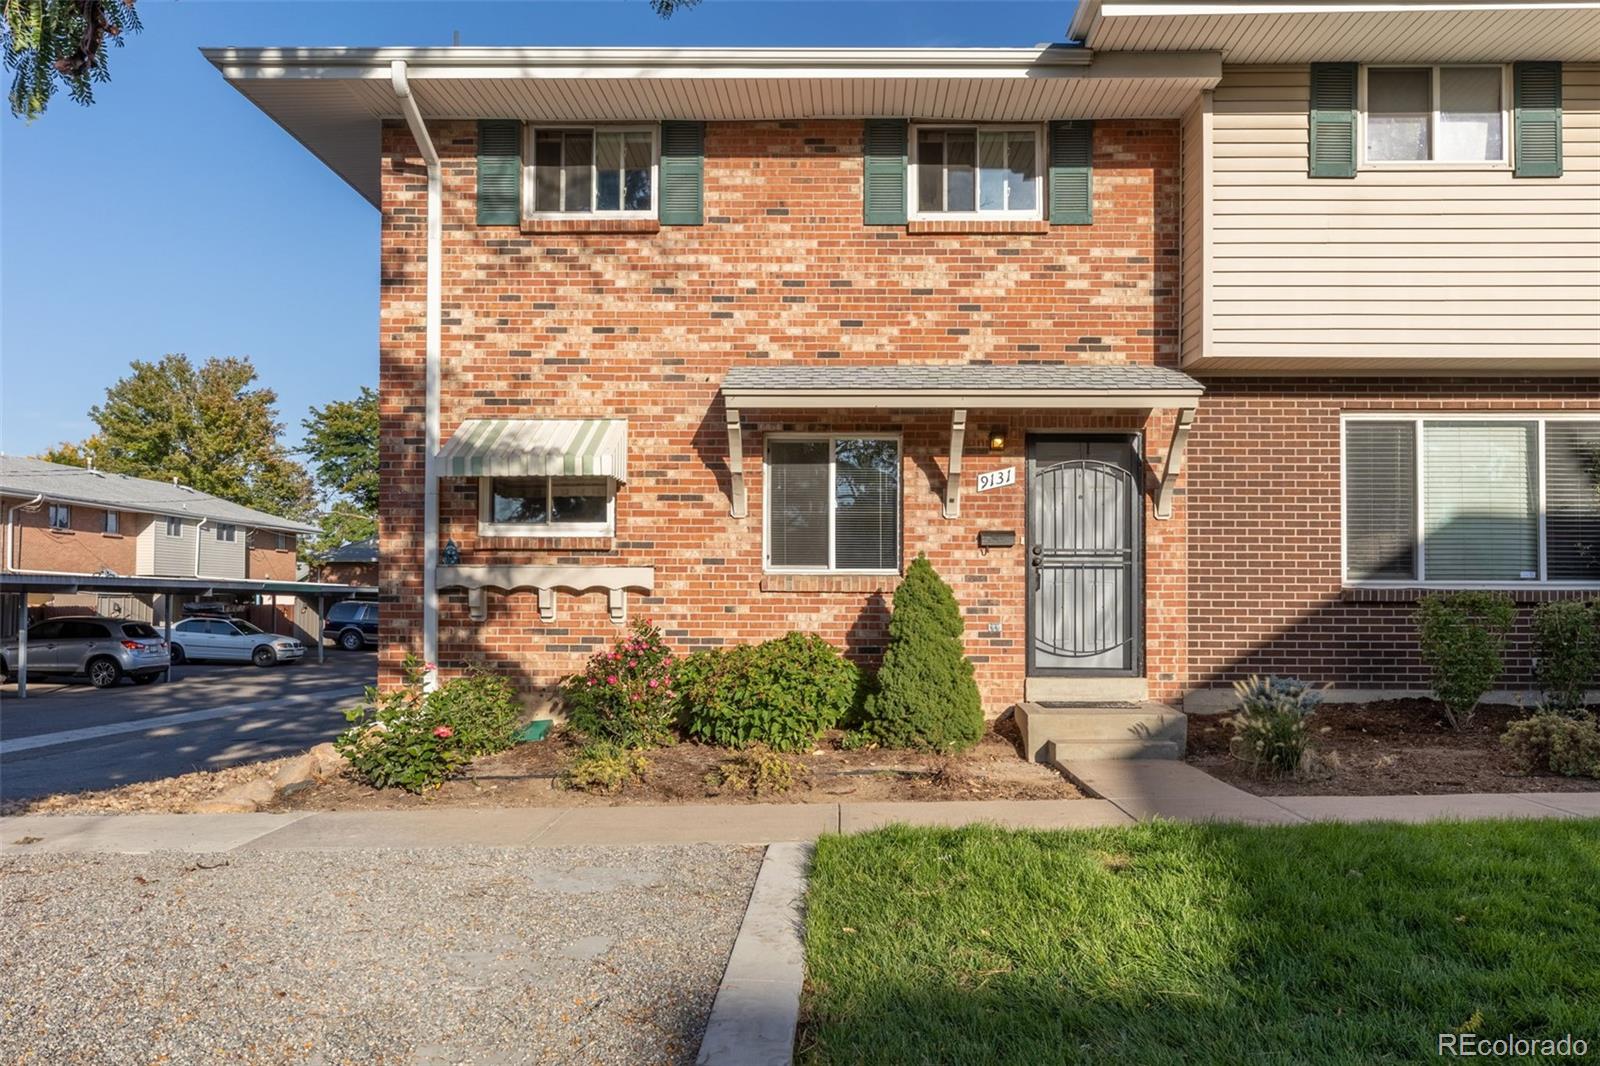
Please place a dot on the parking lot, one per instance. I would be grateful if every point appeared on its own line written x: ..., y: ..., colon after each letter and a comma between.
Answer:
x: 68, y: 735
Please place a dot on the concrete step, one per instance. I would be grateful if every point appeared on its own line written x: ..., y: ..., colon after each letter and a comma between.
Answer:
x: 1126, y: 731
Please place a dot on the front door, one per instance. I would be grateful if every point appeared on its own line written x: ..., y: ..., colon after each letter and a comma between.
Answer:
x: 1084, y: 548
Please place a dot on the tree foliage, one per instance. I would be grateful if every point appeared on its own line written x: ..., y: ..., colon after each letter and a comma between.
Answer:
x: 205, y: 426
x: 341, y: 444
x: 51, y: 43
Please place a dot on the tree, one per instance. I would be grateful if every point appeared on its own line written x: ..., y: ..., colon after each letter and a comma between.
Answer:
x: 68, y: 454
x: 60, y: 41
x: 204, y: 426
x: 342, y: 445
x: 667, y: 8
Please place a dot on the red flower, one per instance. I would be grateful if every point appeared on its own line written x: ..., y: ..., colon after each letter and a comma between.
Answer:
x: 444, y: 732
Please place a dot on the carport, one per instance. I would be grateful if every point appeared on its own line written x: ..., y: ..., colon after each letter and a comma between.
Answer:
x: 24, y: 585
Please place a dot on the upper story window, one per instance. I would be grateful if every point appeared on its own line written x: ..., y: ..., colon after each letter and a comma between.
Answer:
x: 833, y: 504
x: 225, y: 532
x: 601, y: 171
x: 1440, y: 114
x: 60, y: 516
x: 546, y: 506
x: 976, y: 171
x: 113, y: 522
x: 175, y: 527
x: 284, y: 542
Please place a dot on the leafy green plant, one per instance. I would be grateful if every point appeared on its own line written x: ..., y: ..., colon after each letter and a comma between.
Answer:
x: 1272, y: 728
x: 1463, y: 636
x: 625, y: 695
x: 1555, y: 742
x: 605, y: 767
x: 925, y: 696
x: 784, y: 693
x: 758, y: 771
x: 411, y: 739
x: 1566, y: 646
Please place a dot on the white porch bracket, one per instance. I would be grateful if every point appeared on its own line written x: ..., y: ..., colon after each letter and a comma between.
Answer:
x: 952, y: 483
x: 738, y: 505
x: 1174, y: 462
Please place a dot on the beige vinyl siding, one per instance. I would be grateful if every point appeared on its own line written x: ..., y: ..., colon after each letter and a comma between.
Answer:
x: 1427, y: 267
x: 1197, y: 149
x: 144, y: 543
x: 172, y: 556
x: 222, y: 558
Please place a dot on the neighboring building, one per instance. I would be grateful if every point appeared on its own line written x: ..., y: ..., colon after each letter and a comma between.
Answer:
x: 71, y: 520
x: 355, y: 563
x: 1179, y: 365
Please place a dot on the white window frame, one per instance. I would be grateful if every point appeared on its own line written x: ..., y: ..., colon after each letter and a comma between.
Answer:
x: 487, y: 527
x: 1041, y: 174
x: 170, y: 523
x: 282, y: 541
x: 833, y: 503
x: 65, y: 513
x: 113, y: 526
x: 529, y: 132
x: 226, y: 532
x: 1539, y: 419
x: 1504, y: 163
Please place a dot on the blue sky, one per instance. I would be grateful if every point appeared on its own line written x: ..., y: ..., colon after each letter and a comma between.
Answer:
x: 174, y: 217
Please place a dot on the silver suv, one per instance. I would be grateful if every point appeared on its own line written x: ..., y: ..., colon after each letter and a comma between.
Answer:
x: 104, y: 649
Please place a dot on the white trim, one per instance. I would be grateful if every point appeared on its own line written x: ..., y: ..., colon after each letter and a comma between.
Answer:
x: 831, y: 438
x: 1431, y: 163
x: 1040, y: 173
x: 1418, y: 419
x: 546, y: 530
x: 529, y: 165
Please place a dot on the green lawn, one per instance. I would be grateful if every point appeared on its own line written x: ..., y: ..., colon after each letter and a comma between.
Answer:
x: 1180, y: 943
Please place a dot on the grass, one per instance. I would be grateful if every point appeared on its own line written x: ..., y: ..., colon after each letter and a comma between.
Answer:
x: 1168, y: 943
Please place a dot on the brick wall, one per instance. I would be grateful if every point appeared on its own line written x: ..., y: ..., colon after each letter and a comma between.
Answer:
x: 347, y: 573
x: 1264, y: 584
x: 265, y: 561
x: 83, y: 548
x: 643, y: 326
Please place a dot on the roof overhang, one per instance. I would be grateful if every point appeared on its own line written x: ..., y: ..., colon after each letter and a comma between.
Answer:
x: 70, y: 583
x: 1371, y: 31
x: 270, y: 523
x: 333, y: 100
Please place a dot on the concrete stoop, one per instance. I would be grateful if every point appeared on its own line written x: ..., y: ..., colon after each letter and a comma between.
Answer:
x: 1096, y: 732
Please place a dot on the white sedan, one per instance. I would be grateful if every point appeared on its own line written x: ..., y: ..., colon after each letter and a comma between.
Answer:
x: 231, y: 640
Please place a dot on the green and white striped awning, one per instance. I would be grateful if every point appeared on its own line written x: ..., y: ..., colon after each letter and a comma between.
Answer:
x: 537, y: 447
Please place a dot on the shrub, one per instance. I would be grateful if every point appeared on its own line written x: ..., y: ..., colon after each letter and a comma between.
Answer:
x: 783, y: 694
x: 625, y: 695
x: 1566, y: 643
x: 1555, y: 742
x: 925, y: 696
x: 605, y: 767
x: 1463, y: 636
x: 757, y: 770
x: 1272, y: 728
x: 415, y: 740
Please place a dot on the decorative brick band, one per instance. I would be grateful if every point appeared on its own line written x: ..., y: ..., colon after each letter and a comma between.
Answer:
x: 854, y: 584
x: 969, y: 225
x: 590, y: 225
x: 554, y: 544
x: 1412, y: 594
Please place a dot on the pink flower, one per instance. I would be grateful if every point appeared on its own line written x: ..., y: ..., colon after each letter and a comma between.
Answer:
x: 444, y: 732
x: 430, y: 667
x: 611, y: 679
x: 654, y: 682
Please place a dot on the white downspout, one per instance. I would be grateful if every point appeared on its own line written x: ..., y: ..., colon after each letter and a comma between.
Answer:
x: 198, y: 538
x: 430, y: 482
x: 11, y: 525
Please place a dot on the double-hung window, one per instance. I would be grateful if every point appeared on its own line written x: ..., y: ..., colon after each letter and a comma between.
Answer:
x: 598, y: 171
x: 546, y: 506
x: 175, y: 527
x: 1472, y: 501
x: 225, y: 533
x: 1442, y: 114
x: 113, y: 522
x: 833, y: 504
x: 977, y: 172
x: 60, y: 516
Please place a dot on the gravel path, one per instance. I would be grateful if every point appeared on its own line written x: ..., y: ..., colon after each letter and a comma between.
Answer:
x: 428, y: 957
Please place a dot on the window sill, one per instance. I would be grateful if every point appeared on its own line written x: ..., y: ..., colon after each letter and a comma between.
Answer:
x: 599, y: 542
x: 977, y: 225
x: 1531, y: 592
x: 855, y: 584
x: 591, y: 225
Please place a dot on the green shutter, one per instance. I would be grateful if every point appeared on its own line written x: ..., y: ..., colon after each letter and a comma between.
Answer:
x: 683, y: 171
x: 1537, y: 92
x: 499, y: 172
x: 1071, y: 173
x: 884, y: 173
x: 1333, y: 120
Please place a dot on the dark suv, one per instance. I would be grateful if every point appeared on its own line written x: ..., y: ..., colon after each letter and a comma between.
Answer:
x: 352, y: 624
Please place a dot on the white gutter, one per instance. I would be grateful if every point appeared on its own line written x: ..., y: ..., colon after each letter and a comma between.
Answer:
x: 430, y: 481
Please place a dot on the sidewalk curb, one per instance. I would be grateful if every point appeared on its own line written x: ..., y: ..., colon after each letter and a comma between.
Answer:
x: 757, y: 1008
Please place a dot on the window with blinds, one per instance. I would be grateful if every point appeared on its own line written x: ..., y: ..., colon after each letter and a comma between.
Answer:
x: 1466, y: 510
x: 833, y: 503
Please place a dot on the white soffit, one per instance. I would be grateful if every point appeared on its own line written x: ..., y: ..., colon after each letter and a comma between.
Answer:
x: 1300, y: 31
x: 332, y: 99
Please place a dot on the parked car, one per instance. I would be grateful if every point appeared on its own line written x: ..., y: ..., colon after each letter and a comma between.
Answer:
x: 231, y: 640
x: 352, y: 624
x: 103, y: 649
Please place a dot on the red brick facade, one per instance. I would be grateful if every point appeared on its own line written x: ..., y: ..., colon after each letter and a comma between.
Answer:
x: 642, y: 324
x: 84, y: 547
x: 265, y: 561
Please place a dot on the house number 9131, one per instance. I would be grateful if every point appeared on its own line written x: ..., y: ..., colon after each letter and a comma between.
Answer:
x: 997, y: 479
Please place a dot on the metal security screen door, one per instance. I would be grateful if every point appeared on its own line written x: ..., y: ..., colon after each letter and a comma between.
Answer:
x: 1084, y: 547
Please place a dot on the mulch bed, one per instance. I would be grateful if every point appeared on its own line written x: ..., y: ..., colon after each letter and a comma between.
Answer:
x: 529, y: 775
x: 1393, y: 747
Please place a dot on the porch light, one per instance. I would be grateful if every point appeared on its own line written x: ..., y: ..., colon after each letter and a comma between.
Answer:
x: 997, y: 439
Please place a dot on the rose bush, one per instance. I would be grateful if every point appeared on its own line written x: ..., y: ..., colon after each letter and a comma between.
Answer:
x: 625, y: 695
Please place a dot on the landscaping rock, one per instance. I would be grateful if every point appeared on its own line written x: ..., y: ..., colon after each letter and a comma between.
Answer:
x: 327, y: 762
x: 296, y: 774
x: 249, y: 796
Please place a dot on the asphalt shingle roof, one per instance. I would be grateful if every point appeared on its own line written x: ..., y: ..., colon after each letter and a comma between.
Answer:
x: 73, y: 484
x: 974, y: 377
x: 357, y: 551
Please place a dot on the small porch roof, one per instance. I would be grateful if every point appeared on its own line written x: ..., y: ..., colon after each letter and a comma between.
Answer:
x: 537, y: 447
x: 960, y: 385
